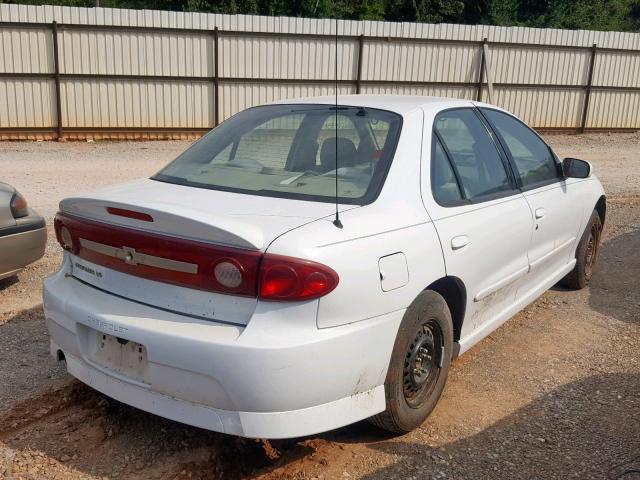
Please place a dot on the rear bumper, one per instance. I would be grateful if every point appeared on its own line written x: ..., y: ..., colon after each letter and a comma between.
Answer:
x: 278, y: 377
x: 22, y: 244
x: 287, y: 424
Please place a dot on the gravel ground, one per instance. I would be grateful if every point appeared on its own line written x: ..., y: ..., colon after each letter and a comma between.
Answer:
x: 554, y: 393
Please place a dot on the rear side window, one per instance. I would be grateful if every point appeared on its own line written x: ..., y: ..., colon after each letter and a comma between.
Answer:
x: 443, y: 178
x: 473, y: 155
x: 532, y: 157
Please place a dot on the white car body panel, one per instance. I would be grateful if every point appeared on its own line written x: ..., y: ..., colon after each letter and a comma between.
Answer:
x: 395, y: 222
x: 494, y: 232
x: 557, y: 218
x: 269, y: 369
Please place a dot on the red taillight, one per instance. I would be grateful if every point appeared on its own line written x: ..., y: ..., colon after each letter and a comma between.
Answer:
x: 64, y: 235
x: 161, y: 258
x: 199, y: 265
x: 287, y: 278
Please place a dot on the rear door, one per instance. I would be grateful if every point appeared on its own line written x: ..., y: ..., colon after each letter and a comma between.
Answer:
x: 483, y: 221
x: 556, y: 214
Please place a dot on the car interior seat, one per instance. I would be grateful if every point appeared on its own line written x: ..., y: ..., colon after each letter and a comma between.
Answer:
x: 346, y: 154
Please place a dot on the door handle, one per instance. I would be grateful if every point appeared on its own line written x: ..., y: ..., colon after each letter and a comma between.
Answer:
x: 540, y: 213
x: 459, y: 242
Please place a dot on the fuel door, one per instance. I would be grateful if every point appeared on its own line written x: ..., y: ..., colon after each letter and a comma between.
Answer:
x: 394, y: 272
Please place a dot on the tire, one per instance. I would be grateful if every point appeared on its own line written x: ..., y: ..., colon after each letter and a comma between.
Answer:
x: 415, y: 379
x: 586, y: 255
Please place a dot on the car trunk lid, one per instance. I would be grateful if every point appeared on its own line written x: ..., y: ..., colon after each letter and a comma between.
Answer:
x: 158, y: 243
x: 223, y: 218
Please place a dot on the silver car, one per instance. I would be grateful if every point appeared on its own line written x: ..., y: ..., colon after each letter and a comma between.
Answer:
x: 23, y: 233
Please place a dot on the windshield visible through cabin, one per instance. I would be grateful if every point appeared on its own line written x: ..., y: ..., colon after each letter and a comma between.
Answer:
x: 289, y: 151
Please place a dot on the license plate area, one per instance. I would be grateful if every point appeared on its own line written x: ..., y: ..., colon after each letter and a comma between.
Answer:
x: 122, y: 356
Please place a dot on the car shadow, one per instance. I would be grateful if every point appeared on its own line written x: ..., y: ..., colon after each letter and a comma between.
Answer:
x: 611, y: 290
x: 614, y: 288
x: 7, y: 282
x: 25, y: 364
x: 586, y: 429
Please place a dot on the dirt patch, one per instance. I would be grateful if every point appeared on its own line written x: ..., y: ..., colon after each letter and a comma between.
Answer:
x: 74, y: 432
x: 27, y: 366
x: 554, y: 393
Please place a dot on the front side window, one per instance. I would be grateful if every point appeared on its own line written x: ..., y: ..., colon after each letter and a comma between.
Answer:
x: 532, y: 157
x: 289, y: 151
x: 473, y: 154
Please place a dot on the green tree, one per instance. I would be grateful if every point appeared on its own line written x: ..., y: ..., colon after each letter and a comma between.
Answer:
x: 633, y: 17
x: 623, y: 15
x: 568, y: 14
x: 222, y: 6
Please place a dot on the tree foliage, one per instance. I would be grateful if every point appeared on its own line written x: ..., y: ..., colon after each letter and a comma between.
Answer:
x: 621, y: 15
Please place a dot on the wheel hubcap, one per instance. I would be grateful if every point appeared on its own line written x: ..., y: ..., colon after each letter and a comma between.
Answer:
x: 422, y: 363
x: 592, y: 249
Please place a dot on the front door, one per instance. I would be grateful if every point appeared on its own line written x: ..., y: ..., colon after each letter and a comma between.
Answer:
x: 556, y: 214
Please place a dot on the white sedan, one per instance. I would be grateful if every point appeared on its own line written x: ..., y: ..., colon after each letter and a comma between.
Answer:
x: 224, y: 293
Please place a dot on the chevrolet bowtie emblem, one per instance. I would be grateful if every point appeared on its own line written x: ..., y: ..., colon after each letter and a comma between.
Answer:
x: 129, y: 255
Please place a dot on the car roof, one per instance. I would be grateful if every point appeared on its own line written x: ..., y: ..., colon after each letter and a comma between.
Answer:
x: 401, y: 104
x: 5, y: 187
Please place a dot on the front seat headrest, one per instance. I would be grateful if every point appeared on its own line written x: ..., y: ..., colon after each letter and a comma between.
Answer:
x: 346, y: 153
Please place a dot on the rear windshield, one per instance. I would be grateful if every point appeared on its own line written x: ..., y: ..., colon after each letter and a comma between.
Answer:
x: 289, y: 151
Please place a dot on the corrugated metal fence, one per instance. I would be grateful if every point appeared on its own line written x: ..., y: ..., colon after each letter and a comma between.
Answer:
x: 78, y: 72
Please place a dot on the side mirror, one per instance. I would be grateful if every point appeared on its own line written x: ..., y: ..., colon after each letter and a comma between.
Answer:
x: 574, y: 168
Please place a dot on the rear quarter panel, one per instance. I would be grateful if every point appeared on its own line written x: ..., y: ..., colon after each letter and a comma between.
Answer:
x: 396, y: 222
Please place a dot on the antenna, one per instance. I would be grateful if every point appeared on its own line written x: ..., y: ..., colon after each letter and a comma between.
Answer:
x: 337, y: 221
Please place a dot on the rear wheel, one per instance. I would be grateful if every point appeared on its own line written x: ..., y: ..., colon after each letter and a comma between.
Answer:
x: 419, y: 364
x: 586, y: 255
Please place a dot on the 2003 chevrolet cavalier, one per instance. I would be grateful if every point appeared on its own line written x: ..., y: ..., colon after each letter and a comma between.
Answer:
x: 220, y: 292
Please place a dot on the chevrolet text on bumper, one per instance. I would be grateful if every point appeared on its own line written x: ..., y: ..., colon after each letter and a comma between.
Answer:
x: 221, y: 293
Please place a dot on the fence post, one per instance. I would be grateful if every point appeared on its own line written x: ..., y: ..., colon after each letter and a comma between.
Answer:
x: 216, y: 77
x: 587, y: 93
x: 359, y: 70
x: 487, y: 71
x: 482, y: 68
x: 56, y: 78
